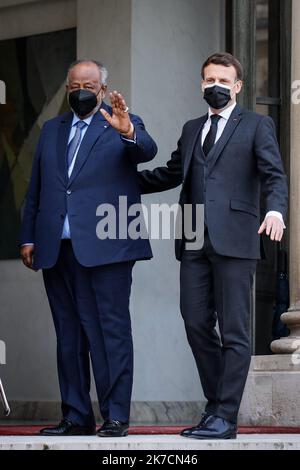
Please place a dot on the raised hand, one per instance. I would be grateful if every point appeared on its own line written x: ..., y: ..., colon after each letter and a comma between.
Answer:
x: 119, y: 119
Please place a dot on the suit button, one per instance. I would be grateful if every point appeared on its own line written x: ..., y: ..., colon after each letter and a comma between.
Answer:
x: 69, y: 192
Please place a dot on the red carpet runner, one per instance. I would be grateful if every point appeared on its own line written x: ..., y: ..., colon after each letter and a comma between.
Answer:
x: 20, y: 430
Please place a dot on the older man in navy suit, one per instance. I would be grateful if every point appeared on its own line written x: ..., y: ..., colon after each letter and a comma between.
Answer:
x: 84, y: 158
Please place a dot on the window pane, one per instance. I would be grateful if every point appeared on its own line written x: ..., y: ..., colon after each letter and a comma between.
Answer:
x: 263, y: 109
x: 262, y: 47
x: 34, y: 71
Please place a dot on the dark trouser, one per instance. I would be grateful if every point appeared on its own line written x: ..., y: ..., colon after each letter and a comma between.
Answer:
x: 215, y: 287
x: 90, y: 308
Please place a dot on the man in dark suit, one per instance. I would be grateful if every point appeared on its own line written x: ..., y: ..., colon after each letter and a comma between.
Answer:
x: 85, y: 158
x: 223, y: 159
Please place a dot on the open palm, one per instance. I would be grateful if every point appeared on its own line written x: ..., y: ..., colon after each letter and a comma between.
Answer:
x: 119, y: 119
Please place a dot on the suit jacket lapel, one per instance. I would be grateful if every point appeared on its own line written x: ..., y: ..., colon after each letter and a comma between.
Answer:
x: 95, y: 130
x: 62, y: 144
x: 231, y: 125
x: 195, y: 133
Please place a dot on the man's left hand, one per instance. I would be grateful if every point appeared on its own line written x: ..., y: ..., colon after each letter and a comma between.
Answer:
x: 273, y: 227
x: 120, y: 119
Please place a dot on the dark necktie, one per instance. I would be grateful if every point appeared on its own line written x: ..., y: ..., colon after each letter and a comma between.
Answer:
x: 211, y: 136
x: 75, y: 142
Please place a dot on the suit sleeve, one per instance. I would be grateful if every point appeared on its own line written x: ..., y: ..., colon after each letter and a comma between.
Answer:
x: 164, y: 177
x: 143, y: 149
x: 273, y: 179
x: 32, y: 199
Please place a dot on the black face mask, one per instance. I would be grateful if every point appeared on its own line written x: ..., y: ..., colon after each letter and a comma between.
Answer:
x: 82, y: 101
x: 217, y: 96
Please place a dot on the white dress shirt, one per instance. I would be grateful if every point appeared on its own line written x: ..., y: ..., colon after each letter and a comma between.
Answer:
x: 225, y: 115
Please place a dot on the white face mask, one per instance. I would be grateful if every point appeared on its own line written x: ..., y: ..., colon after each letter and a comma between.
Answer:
x: 210, y: 85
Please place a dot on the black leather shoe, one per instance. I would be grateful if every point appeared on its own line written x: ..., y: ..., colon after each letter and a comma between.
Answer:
x: 113, y: 428
x: 215, y: 428
x: 66, y: 428
x: 186, y: 432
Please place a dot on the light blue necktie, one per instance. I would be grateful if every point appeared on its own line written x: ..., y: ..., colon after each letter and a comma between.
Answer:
x: 74, y: 144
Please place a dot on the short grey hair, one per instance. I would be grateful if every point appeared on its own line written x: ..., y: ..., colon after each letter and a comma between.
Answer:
x: 102, y: 69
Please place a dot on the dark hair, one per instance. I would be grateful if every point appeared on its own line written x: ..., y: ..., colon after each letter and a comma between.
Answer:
x: 224, y: 58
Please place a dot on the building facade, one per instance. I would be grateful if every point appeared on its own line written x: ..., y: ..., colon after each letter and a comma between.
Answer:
x: 153, y: 50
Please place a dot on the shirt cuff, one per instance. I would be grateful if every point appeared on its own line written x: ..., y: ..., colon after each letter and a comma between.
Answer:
x: 276, y: 214
x: 131, y: 141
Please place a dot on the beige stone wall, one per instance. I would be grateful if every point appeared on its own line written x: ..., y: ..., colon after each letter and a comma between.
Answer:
x: 27, y: 17
x: 292, y: 317
x: 104, y: 34
x: 295, y: 167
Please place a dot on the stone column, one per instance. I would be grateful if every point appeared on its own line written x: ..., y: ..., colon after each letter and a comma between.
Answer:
x: 291, y: 318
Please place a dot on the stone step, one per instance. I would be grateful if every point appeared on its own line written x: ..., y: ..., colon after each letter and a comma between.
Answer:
x: 151, y: 442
